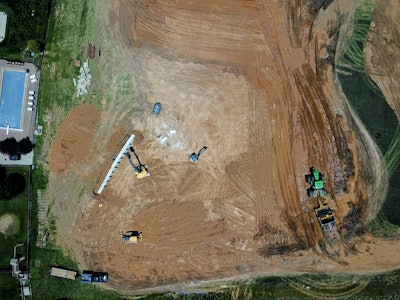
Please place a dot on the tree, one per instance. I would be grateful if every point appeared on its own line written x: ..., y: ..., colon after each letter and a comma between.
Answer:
x: 12, y: 186
x: 18, y: 182
x: 25, y: 146
x: 3, y: 173
x: 8, y: 146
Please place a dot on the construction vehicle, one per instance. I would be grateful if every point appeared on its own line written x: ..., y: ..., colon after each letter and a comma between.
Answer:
x: 63, y: 273
x: 157, y: 108
x: 131, y: 237
x: 140, y: 170
x: 89, y: 277
x: 327, y: 221
x: 194, y: 157
x: 316, y: 180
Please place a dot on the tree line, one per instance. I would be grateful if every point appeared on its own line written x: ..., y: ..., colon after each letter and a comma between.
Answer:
x: 11, y: 146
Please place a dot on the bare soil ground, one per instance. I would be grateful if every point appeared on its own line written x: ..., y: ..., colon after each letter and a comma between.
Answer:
x: 6, y: 224
x: 248, y: 80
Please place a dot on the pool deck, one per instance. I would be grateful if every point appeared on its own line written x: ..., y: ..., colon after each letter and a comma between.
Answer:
x: 28, y: 117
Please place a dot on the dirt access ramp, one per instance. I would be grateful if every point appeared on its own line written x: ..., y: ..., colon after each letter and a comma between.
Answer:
x: 265, y: 118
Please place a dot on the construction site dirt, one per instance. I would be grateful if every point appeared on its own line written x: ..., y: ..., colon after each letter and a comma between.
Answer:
x: 249, y: 80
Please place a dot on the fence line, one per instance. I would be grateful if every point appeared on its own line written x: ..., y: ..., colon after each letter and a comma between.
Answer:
x: 29, y: 229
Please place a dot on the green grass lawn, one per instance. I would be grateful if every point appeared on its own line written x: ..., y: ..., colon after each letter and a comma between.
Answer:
x: 50, y: 287
x: 68, y: 25
x: 18, y: 207
x: 9, y: 287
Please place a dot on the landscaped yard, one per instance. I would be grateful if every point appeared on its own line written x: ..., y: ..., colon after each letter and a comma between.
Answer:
x: 18, y: 209
x: 14, y: 228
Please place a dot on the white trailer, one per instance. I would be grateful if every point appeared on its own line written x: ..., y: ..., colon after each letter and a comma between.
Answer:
x: 63, y: 273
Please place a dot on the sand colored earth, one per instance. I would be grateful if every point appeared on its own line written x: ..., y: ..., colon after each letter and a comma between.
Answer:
x: 249, y: 80
x: 383, y: 46
x: 6, y: 224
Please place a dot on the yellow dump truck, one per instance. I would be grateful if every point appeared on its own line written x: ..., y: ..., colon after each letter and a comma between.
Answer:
x: 63, y: 273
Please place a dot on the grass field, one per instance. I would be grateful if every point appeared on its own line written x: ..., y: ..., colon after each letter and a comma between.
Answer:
x: 49, y: 287
x: 67, y: 36
x: 9, y: 288
x: 68, y: 25
x: 18, y: 207
x: 370, y: 105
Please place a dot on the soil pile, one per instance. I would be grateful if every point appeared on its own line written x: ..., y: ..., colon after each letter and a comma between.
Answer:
x: 74, y: 138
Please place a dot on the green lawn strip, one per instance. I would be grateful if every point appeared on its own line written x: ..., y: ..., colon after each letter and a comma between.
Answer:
x: 68, y: 24
x: 66, y: 40
x: 46, y: 286
x: 18, y: 207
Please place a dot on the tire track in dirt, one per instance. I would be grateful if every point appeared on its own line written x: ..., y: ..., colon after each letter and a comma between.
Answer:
x: 170, y: 28
x: 273, y: 150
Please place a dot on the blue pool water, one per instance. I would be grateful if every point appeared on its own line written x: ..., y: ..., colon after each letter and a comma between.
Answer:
x: 12, y: 98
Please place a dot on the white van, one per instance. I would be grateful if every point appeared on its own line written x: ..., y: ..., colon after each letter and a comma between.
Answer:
x: 31, y: 92
x: 31, y: 98
x: 30, y: 103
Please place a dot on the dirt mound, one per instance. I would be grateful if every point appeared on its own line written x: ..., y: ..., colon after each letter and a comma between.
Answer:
x: 74, y: 138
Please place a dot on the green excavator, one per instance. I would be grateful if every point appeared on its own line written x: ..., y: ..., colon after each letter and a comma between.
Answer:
x: 316, y: 180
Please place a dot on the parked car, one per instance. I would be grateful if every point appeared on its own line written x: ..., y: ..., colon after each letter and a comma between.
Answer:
x: 14, y: 156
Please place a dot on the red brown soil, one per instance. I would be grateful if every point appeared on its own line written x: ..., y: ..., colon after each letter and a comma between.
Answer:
x: 91, y: 51
x: 237, y: 77
x: 73, y: 141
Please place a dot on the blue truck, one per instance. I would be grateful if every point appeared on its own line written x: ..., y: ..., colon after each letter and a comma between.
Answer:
x: 157, y: 108
x: 89, y: 277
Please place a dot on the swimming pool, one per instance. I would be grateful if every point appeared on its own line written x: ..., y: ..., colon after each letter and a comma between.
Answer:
x: 12, y: 98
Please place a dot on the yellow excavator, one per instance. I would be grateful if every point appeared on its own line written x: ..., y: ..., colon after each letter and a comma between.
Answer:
x: 141, y: 171
x: 131, y: 237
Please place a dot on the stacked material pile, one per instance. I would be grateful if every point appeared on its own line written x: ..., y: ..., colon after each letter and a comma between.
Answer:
x: 83, y: 80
